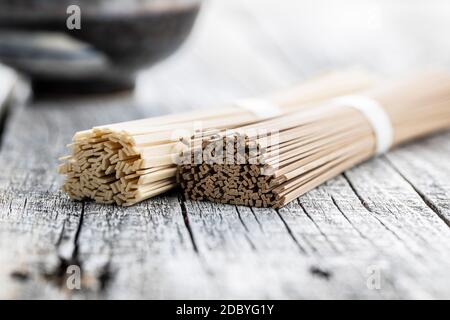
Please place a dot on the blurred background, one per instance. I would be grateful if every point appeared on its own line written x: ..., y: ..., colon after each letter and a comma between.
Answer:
x: 250, y: 46
x: 260, y: 45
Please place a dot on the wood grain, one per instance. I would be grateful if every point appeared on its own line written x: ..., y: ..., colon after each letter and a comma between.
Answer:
x: 387, y: 218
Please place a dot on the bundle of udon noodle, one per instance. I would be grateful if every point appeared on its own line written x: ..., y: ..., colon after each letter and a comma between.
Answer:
x: 128, y: 162
x: 272, y: 162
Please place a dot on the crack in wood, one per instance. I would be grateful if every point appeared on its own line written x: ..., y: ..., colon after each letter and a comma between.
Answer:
x: 369, y: 210
x: 247, y: 237
x: 291, y: 233
x: 332, y: 245
x: 59, y: 275
x: 4, y: 116
x: 240, y: 219
x: 90, y: 283
x: 362, y: 235
x: 75, y: 255
x: 257, y: 220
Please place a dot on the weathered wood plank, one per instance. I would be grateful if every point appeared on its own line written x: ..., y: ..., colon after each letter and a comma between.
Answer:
x: 106, y: 241
x: 257, y: 258
x: 250, y: 254
x: 40, y: 226
x: 141, y: 252
x: 392, y: 252
x: 370, y: 242
x: 428, y: 173
x: 401, y: 211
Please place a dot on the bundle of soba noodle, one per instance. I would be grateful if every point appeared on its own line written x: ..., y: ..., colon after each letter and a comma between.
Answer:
x: 128, y: 162
x: 270, y: 163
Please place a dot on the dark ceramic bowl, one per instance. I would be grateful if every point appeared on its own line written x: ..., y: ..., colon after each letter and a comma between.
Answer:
x: 117, y: 38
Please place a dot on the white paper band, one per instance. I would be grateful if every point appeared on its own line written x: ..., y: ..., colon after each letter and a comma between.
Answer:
x: 8, y: 80
x: 375, y: 114
x: 263, y: 109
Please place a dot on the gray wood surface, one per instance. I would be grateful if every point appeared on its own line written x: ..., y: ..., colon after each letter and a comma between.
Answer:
x: 381, y: 230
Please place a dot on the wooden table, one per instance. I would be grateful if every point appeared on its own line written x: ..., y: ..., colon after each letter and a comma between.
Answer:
x: 381, y: 230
